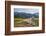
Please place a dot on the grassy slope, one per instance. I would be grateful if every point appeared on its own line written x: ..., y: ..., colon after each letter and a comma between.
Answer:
x: 18, y: 22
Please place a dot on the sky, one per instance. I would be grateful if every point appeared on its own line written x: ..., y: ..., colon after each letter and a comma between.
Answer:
x: 26, y: 10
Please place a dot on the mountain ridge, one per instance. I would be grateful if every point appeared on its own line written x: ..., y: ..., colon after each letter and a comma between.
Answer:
x: 25, y: 15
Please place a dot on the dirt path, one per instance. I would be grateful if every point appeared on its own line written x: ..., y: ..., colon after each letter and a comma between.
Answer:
x: 29, y: 20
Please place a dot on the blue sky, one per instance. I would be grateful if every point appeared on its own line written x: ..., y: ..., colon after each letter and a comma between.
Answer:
x: 26, y: 10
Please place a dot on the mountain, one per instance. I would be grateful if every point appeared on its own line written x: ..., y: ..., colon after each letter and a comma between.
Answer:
x: 36, y: 15
x: 25, y: 15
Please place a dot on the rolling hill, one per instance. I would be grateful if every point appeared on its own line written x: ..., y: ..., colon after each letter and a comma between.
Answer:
x: 25, y: 15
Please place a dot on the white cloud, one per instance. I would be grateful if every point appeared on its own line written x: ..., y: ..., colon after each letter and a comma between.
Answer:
x: 26, y: 10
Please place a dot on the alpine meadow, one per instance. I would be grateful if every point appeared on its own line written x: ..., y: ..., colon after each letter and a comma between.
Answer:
x: 25, y: 17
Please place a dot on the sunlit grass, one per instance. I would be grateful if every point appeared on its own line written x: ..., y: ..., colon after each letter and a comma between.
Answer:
x: 18, y: 22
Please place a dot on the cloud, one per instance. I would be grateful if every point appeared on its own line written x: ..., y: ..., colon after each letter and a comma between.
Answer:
x: 26, y: 10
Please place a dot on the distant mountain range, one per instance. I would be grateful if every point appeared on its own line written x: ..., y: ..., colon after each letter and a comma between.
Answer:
x: 25, y: 15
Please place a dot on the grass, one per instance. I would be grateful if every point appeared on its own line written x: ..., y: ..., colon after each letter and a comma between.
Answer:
x: 20, y: 22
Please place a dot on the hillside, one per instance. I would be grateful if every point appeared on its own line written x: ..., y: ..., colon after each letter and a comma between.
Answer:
x: 25, y: 15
